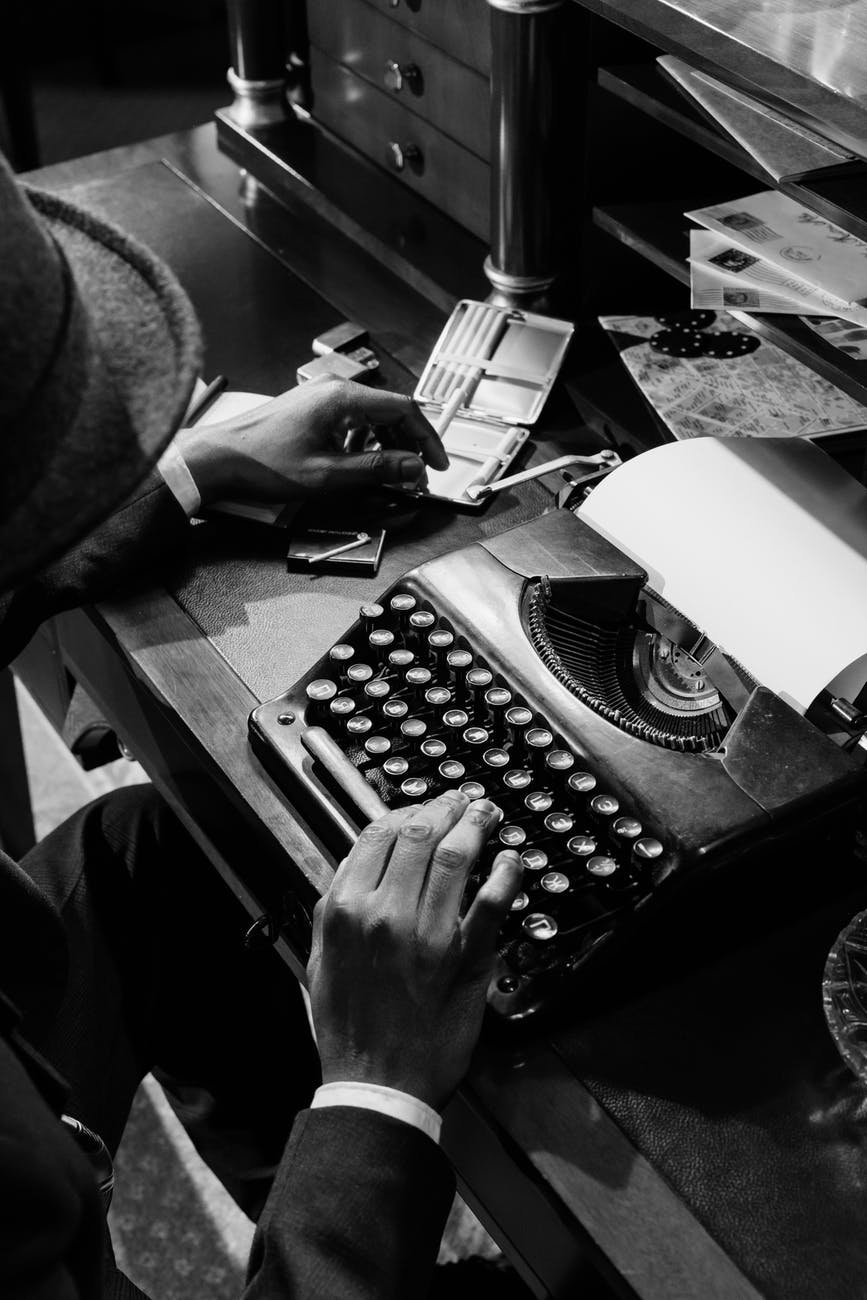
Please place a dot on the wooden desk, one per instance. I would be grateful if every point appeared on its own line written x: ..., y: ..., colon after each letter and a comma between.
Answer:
x: 669, y: 1145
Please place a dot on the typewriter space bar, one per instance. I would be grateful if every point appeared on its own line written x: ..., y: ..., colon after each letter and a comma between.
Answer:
x: 320, y: 746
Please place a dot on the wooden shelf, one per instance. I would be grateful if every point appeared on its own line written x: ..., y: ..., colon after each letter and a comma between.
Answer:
x: 657, y: 231
x: 812, y: 64
x: 840, y: 198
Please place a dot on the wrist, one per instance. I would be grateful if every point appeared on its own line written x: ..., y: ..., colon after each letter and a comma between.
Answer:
x: 408, y: 1083
x: 206, y: 464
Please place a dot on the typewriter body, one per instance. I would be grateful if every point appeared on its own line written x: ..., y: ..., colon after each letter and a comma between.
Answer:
x: 633, y: 760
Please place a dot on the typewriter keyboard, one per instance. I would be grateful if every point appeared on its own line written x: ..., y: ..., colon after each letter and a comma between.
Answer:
x: 413, y: 710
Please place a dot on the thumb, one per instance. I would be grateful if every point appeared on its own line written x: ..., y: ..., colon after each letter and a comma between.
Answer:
x: 402, y: 468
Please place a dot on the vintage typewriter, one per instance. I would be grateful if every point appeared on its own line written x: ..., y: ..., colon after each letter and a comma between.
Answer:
x: 633, y: 759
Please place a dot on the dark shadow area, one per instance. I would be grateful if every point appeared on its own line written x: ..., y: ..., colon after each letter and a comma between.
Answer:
x: 77, y: 80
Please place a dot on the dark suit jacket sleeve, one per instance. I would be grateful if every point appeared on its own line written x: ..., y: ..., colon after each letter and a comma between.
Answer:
x: 356, y: 1212
x: 150, y: 526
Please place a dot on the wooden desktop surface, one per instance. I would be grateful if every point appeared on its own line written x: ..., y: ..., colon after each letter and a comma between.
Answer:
x: 658, y: 1141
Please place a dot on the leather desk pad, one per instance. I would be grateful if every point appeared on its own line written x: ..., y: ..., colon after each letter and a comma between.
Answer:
x: 728, y: 1081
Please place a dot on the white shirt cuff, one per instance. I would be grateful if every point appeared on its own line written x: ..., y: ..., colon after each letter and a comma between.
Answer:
x: 388, y: 1101
x: 179, y: 480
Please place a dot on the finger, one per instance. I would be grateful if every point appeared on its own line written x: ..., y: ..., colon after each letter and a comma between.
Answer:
x: 488, y: 911
x: 379, y: 407
x: 404, y: 877
x: 453, y: 860
x: 401, y: 468
x: 361, y: 870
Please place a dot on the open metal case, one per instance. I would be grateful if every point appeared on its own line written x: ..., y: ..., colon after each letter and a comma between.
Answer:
x: 509, y: 360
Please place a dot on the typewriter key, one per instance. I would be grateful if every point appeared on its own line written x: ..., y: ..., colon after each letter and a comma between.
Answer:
x: 341, y: 655
x: 518, y: 720
x: 401, y: 658
x: 402, y: 606
x: 380, y: 642
x: 520, y: 902
x: 417, y: 678
x: 495, y: 757
x: 603, y: 809
x: 369, y: 614
x: 559, y: 823
x: 476, y: 736
x: 539, y: 926
x: 582, y: 784
x: 513, y: 836
x: 414, y: 787
x: 451, y: 770
x: 376, y: 746
x: 395, y: 767
x: 438, y: 696
x: 341, y: 706
x: 646, y: 850
x: 359, y: 725
x: 555, y: 882
x: 441, y: 639
x: 602, y: 867
x: 395, y: 709
x: 478, y: 680
x: 420, y: 623
x: 377, y: 689
x: 455, y: 718
x: 581, y: 846
x: 473, y: 789
x: 538, y: 740
x: 321, y: 690
x: 559, y: 762
x: 538, y: 801
x: 433, y: 748
x: 413, y: 728
x: 626, y: 830
x: 358, y: 673
x: 534, y: 859
x: 518, y: 778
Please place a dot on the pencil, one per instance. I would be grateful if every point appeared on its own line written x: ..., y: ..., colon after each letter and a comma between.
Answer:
x: 204, y: 400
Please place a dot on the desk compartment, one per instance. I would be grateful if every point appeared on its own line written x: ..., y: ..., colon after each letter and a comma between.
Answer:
x: 413, y: 72
x: 460, y: 27
x: 426, y: 160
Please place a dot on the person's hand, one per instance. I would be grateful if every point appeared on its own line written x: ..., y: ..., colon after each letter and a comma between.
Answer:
x: 397, y: 977
x: 293, y: 446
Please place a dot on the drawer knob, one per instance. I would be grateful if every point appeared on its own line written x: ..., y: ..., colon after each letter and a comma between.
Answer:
x: 398, y: 77
x: 401, y: 156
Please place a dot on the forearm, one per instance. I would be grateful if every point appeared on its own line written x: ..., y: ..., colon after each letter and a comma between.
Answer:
x: 356, y: 1212
x: 137, y: 537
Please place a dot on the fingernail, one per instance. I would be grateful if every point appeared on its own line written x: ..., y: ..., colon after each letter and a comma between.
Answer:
x: 485, y: 806
x: 411, y: 469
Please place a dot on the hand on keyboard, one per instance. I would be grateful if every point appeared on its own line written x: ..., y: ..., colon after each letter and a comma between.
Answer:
x: 397, y: 976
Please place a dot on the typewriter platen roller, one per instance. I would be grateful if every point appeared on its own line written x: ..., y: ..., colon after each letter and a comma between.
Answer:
x: 631, y: 757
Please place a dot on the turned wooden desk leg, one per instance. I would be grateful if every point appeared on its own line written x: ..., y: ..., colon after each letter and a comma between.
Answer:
x: 257, y: 77
x: 523, y: 171
x: 16, y: 817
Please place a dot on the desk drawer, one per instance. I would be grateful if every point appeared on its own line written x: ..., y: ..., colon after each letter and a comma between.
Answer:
x: 452, y: 178
x: 448, y: 94
x: 460, y: 27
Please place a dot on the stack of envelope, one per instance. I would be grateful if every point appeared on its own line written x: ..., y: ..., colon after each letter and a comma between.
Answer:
x: 767, y: 253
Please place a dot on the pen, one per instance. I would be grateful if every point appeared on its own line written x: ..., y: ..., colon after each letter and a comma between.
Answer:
x: 205, y: 399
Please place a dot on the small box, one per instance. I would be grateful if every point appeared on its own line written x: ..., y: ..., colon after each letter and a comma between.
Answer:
x: 511, y: 359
